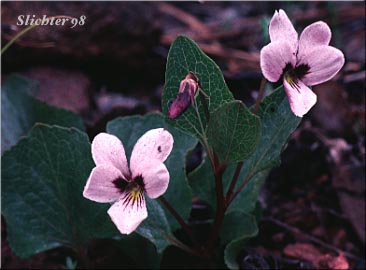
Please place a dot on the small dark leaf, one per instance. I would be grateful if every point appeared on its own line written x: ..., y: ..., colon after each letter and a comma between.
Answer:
x: 20, y: 111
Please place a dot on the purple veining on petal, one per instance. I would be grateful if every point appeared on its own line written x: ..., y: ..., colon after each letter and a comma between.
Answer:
x: 120, y: 184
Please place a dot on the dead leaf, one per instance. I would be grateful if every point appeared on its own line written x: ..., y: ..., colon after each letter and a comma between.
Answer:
x: 308, y: 252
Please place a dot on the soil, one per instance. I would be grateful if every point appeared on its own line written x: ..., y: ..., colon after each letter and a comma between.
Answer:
x: 313, y: 203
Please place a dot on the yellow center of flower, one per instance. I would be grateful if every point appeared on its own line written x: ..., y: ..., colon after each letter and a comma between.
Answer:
x: 291, y: 78
x: 135, y: 193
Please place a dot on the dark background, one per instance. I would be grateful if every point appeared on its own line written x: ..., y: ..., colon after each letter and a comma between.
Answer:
x: 114, y: 65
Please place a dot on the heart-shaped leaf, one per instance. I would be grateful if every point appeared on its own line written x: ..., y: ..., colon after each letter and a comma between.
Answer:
x: 184, y: 57
x: 43, y: 178
x: 278, y: 122
x: 233, y: 132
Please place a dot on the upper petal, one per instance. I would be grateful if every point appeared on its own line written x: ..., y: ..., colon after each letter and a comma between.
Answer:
x: 155, y: 177
x: 313, y: 35
x: 154, y: 144
x: 281, y: 28
x: 108, y: 149
x: 100, y: 186
x: 324, y: 62
x: 273, y: 59
x: 300, y: 97
x: 127, y: 216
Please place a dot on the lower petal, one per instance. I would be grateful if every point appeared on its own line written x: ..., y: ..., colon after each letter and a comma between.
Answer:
x: 127, y: 215
x: 100, y: 186
x: 300, y: 97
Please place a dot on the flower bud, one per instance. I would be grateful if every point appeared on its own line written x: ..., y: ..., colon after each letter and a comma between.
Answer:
x: 187, y: 91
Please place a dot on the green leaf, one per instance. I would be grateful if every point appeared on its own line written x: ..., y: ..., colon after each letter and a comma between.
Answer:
x: 202, y: 182
x: 20, y: 111
x: 236, y: 229
x: 233, y: 132
x: 278, y: 122
x: 231, y: 253
x: 70, y: 264
x: 238, y: 224
x: 43, y: 178
x: 179, y: 194
x: 156, y: 227
x: 185, y: 56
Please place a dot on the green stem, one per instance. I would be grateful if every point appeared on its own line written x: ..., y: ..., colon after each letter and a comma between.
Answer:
x: 21, y: 33
x: 205, y: 106
x: 204, y: 138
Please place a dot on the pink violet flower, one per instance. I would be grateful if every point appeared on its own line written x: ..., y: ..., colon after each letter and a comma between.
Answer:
x: 112, y: 180
x: 308, y: 60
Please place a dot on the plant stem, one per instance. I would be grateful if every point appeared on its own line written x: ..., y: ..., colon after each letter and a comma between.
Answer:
x: 204, y: 138
x: 21, y: 33
x: 180, y: 220
x: 205, y: 106
x: 230, y: 195
x: 218, y: 169
x: 240, y: 188
x: 183, y: 247
x: 83, y: 257
x: 221, y: 204
x: 260, y: 95
x: 234, y: 180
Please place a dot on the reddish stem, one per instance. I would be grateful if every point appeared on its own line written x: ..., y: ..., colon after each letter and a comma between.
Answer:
x: 234, y: 181
x: 180, y: 220
x: 260, y: 96
x: 220, y: 202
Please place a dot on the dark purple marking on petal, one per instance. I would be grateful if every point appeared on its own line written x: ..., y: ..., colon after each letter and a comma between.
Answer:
x: 120, y: 184
x: 139, y: 180
x: 134, y: 192
x: 293, y: 75
x: 302, y: 70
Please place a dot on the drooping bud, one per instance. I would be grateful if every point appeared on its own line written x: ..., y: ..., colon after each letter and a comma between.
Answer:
x: 187, y: 91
